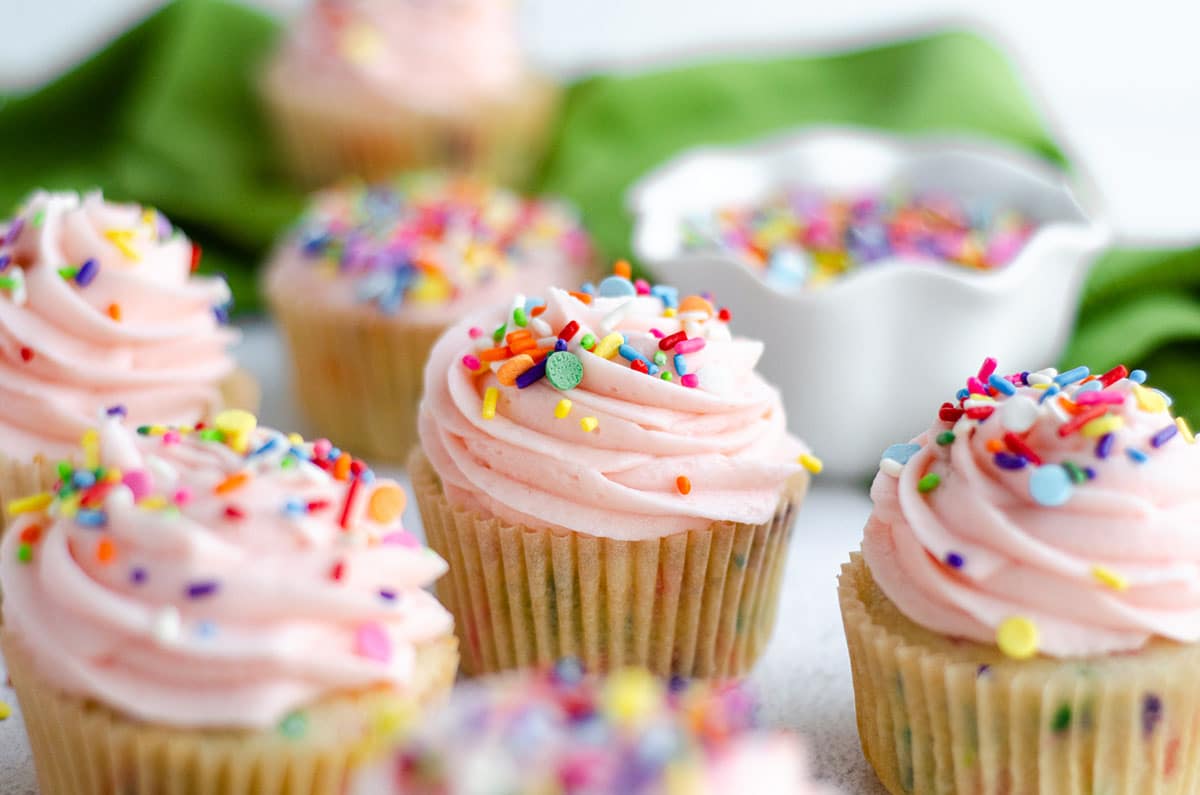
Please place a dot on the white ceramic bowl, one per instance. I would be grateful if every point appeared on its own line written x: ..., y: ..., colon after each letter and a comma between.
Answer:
x: 866, y: 361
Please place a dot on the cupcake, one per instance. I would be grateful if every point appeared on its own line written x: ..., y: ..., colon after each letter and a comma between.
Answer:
x: 370, y: 87
x: 98, y: 306
x: 562, y: 734
x: 217, y: 609
x: 371, y: 276
x: 1025, y: 612
x: 609, y: 479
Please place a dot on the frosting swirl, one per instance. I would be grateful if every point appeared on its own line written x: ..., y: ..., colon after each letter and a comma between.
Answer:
x: 1044, y: 512
x: 627, y: 431
x: 98, y: 307
x: 217, y: 577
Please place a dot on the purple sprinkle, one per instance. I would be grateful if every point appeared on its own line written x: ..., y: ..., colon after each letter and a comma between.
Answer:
x: 532, y: 375
x: 1090, y: 472
x: 983, y: 670
x: 955, y: 560
x: 221, y: 313
x: 387, y: 594
x: 1164, y: 436
x: 1024, y: 378
x: 560, y: 345
x: 199, y: 590
x: 5, y: 259
x: 1105, y: 445
x: 1010, y: 461
x: 14, y: 231
x: 137, y: 576
x: 87, y: 272
x: 1152, y: 713
x: 116, y: 411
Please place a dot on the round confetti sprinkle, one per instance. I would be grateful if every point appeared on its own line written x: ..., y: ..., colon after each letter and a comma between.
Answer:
x: 1050, y: 485
x: 564, y: 370
x: 900, y: 453
x: 616, y: 287
x: 1017, y: 637
x: 386, y: 503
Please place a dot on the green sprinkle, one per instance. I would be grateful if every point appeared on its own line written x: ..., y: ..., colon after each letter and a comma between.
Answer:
x: 519, y: 317
x: 212, y: 435
x: 666, y: 375
x: 38, y: 218
x: 287, y: 462
x: 68, y: 273
x: 945, y: 437
x: 1077, y: 474
x: 564, y: 370
x: 929, y: 482
x: 294, y: 726
x: 588, y: 342
x: 660, y: 358
x: 65, y: 471
x: 498, y: 334
x: 1062, y: 719
x: 144, y: 430
x: 24, y: 553
x: 7, y: 283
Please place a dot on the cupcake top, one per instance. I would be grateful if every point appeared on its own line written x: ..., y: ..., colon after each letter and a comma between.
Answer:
x: 561, y: 733
x: 438, y: 56
x: 217, y: 576
x: 99, y: 306
x: 621, y: 411
x: 426, y: 248
x: 1044, y: 512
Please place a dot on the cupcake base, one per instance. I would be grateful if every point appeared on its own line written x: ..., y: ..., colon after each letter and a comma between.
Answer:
x: 81, y: 747
x: 695, y: 604
x: 939, y: 715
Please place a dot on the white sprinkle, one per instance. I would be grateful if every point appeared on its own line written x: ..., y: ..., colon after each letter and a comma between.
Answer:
x: 1019, y: 413
x: 119, y: 498
x: 610, y: 321
x: 540, y: 326
x: 890, y: 466
x: 1038, y: 379
x: 167, y: 625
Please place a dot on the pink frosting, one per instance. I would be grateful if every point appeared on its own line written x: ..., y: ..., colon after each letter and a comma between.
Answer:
x: 437, y: 55
x: 1114, y: 565
x: 765, y: 763
x: 727, y: 436
x: 177, y: 599
x: 63, y: 357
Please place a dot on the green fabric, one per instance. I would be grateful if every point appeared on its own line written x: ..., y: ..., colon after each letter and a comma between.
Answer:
x: 168, y: 115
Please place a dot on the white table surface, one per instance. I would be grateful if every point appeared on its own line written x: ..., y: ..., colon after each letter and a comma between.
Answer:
x: 804, y: 675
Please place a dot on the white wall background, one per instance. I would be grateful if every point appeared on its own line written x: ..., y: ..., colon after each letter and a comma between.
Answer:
x: 1119, y: 80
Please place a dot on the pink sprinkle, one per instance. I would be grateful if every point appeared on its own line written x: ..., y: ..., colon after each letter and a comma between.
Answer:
x: 986, y: 369
x: 657, y: 334
x: 172, y: 437
x: 690, y: 346
x: 1100, y: 396
x: 401, y: 539
x: 475, y: 332
x: 321, y: 448
x: 138, y: 481
x: 691, y: 379
x: 371, y: 641
x: 976, y: 387
x: 643, y: 287
x: 471, y: 362
x: 182, y: 496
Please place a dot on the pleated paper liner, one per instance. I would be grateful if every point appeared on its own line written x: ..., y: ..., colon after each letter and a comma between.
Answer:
x: 22, y: 477
x: 325, y: 138
x: 83, y: 748
x: 697, y: 604
x: 937, y: 715
x: 358, y: 376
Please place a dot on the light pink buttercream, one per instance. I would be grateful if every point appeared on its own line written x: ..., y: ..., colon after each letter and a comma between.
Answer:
x: 63, y: 357
x: 440, y: 56
x: 1137, y: 521
x: 728, y: 436
x: 279, y: 631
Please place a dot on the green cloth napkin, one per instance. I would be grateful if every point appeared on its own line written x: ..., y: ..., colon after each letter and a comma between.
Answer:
x: 168, y: 115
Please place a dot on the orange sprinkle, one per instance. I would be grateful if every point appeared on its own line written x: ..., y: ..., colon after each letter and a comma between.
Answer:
x: 386, y: 503
x: 519, y: 334
x: 683, y: 484
x: 341, y: 467
x: 114, y: 311
x: 508, y: 372
x: 231, y: 483
x: 537, y: 310
x: 1070, y: 406
x: 31, y: 534
x: 695, y: 303
x: 540, y: 353
x: 494, y: 354
x: 106, y: 551
x: 622, y: 269
x: 584, y: 297
x: 995, y: 446
x: 523, y: 346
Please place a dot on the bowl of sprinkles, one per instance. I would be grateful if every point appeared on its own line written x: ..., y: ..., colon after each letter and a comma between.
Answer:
x: 874, y: 256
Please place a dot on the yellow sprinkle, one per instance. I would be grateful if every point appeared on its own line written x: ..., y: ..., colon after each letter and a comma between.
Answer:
x: 37, y: 502
x: 811, y: 463
x: 1040, y: 386
x: 589, y: 424
x: 121, y: 238
x: 153, y: 503
x: 490, y: 396
x: 562, y: 409
x: 68, y: 506
x: 987, y: 398
x: 608, y: 346
x: 1107, y: 576
x: 632, y: 695
x: 156, y: 430
x: 1149, y: 400
x: 236, y: 425
x: 148, y: 216
x: 1017, y: 637
x: 91, y: 448
x: 669, y: 312
x: 1102, y: 425
x: 295, y: 439
x: 1185, y: 430
x: 5, y: 710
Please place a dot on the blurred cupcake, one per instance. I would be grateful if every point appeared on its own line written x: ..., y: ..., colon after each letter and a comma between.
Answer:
x: 609, y: 479
x: 562, y: 734
x: 218, y: 609
x: 98, y: 306
x: 372, y: 275
x: 369, y: 87
x: 1026, y: 609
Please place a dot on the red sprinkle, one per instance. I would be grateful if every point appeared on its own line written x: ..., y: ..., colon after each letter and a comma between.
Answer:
x: 670, y: 341
x: 640, y: 366
x: 1114, y: 375
x: 351, y: 490
x: 724, y: 315
x: 26, y: 354
x: 980, y: 412
x: 234, y: 512
x: 1018, y: 446
x: 339, y: 569
x: 568, y: 331
x: 1081, y: 419
x: 317, y: 505
x: 196, y: 252
x: 948, y: 413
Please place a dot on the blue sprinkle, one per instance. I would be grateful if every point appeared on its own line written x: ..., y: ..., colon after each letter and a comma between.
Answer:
x: 1090, y: 386
x: 954, y: 560
x: 90, y: 518
x: 1050, y: 485
x: 1090, y: 472
x: 1164, y: 436
x: 667, y: 294
x: 901, y: 452
x: 680, y: 364
x: 1010, y: 461
x: 334, y: 454
x: 1025, y: 378
x: 588, y: 288
x: 615, y: 287
x: 116, y: 411
x: 265, y: 447
x: 83, y: 479
x: 963, y: 393
x: 1105, y: 445
x: 1073, y: 375
x: 87, y: 272
x: 1049, y: 392
x: 1001, y: 384
x: 652, y: 368
x: 560, y: 345
x: 532, y: 375
x: 1136, y: 455
x: 532, y: 302
x: 1138, y: 376
x: 295, y: 507
x: 629, y: 353
x: 5, y: 259
x: 221, y: 313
